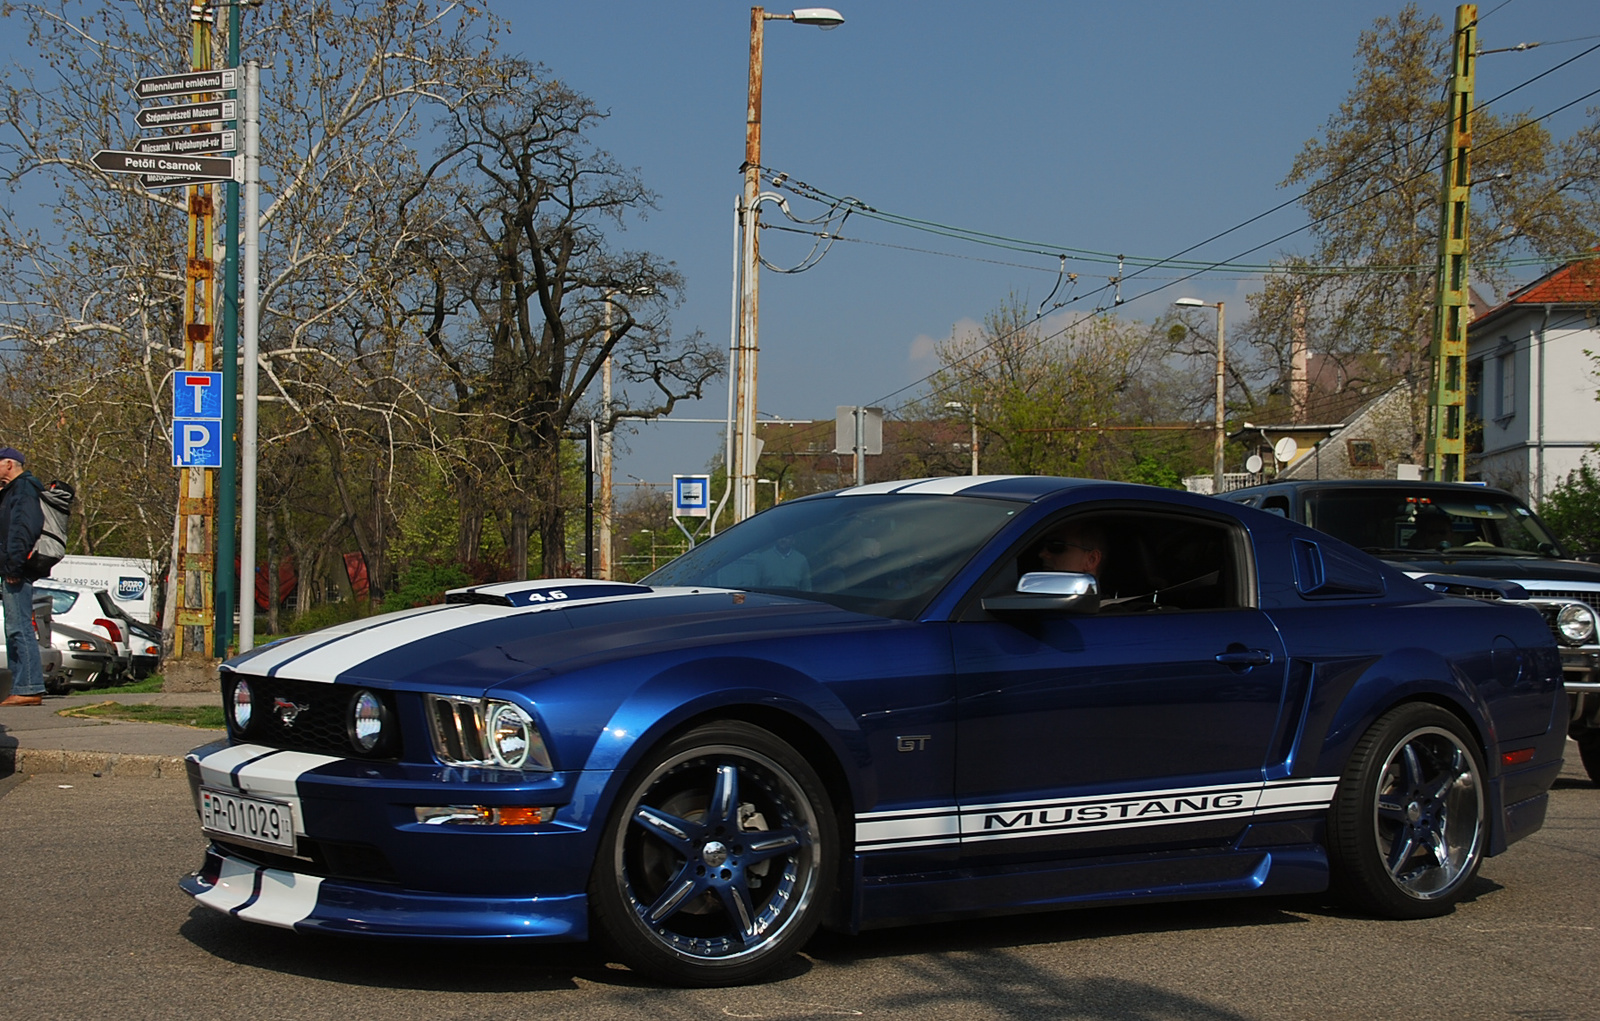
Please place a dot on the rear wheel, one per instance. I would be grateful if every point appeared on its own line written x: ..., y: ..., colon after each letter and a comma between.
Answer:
x: 1407, y: 827
x: 715, y: 864
x: 1589, y: 751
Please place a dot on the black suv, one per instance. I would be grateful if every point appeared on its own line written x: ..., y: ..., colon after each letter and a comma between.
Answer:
x: 1467, y: 532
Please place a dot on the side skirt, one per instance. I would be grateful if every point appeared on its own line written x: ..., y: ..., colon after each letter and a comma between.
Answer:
x: 962, y: 893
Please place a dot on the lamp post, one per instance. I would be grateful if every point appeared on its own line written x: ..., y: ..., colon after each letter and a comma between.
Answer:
x: 744, y: 452
x: 972, y: 413
x: 652, y: 535
x: 1216, y: 466
x: 774, y: 483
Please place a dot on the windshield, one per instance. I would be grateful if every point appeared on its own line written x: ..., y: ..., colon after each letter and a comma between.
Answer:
x: 883, y: 555
x: 1394, y: 520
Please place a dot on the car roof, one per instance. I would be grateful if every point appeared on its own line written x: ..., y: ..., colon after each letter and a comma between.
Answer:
x: 1024, y: 488
x: 1368, y: 484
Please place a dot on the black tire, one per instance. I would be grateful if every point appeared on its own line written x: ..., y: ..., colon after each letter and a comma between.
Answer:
x: 685, y: 888
x: 1589, y: 751
x: 1407, y: 829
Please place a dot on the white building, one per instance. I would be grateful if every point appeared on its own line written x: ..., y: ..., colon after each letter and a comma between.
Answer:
x: 1531, y: 382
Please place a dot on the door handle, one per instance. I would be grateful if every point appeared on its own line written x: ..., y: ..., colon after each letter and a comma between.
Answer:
x: 1245, y: 657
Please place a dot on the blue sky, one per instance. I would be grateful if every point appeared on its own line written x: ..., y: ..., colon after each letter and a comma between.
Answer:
x: 1139, y: 128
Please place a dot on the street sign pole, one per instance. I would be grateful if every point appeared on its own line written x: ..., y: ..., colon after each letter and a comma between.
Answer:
x: 251, y: 310
x: 228, y: 480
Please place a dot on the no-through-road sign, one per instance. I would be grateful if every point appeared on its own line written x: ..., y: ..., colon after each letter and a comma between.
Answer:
x: 162, y: 85
x: 197, y: 394
x: 208, y: 168
x: 188, y: 113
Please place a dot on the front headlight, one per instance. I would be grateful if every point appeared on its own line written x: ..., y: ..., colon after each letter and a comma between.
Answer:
x: 1576, y: 624
x: 510, y: 734
x: 485, y: 732
x: 241, y: 704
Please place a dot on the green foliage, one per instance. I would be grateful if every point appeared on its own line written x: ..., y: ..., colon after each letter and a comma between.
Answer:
x: 1572, y: 509
x: 424, y: 583
x: 326, y: 615
x: 1155, y: 470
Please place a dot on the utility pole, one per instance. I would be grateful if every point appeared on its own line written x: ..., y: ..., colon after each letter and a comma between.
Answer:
x: 744, y: 460
x: 1447, y: 397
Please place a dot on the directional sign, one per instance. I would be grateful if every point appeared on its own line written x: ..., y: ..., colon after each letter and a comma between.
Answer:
x: 197, y: 444
x: 691, y: 496
x: 188, y: 113
x: 163, y: 85
x: 120, y: 161
x: 184, y: 145
x: 155, y: 182
x: 197, y: 395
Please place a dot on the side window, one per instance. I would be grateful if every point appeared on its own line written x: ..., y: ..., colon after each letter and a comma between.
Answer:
x: 1278, y: 505
x: 1149, y: 562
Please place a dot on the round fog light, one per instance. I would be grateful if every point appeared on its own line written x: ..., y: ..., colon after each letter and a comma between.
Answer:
x: 367, y: 718
x: 1576, y: 623
x: 242, y: 699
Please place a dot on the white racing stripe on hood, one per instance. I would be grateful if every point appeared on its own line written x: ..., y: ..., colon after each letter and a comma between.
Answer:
x: 326, y: 662
x: 269, y: 660
x: 286, y: 898
x: 954, y: 484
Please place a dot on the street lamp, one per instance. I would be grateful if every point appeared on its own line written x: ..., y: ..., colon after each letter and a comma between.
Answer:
x: 1216, y: 466
x: 973, y: 414
x: 774, y: 484
x: 652, y: 535
x: 744, y: 453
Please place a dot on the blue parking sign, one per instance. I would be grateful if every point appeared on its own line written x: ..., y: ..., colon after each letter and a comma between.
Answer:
x: 196, y: 444
x: 197, y: 395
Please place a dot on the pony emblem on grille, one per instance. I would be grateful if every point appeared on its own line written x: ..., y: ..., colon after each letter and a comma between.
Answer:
x: 288, y: 711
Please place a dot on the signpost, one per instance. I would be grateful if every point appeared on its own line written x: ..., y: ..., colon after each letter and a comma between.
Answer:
x: 196, y: 419
x: 181, y: 145
x: 188, y: 113
x: 202, y: 168
x: 162, y: 86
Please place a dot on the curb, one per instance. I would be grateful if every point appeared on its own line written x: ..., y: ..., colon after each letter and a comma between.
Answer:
x: 46, y: 760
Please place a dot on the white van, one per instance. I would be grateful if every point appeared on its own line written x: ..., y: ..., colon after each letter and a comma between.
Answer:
x: 126, y: 578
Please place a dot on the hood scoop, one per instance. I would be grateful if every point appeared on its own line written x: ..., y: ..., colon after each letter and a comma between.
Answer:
x: 544, y: 592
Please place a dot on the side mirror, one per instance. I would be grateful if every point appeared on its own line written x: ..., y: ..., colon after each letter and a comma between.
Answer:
x: 1049, y: 592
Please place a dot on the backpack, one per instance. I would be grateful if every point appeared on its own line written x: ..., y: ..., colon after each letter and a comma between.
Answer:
x: 55, y: 505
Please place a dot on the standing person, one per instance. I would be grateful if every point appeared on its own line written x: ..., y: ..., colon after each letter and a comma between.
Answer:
x: 21, y: 521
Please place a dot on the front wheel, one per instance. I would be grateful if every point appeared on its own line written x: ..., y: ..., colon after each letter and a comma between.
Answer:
x: 1407, y: 827
x: 716, y: 860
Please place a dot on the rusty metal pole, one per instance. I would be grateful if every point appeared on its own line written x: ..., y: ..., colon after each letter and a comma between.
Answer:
x: 194, y: 628
x: 1447, y: 397
x: 750, y: 299
x: 606, y: 498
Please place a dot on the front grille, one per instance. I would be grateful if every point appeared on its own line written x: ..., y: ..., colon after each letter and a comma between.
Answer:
x: 1590, y: 599
x: 330, y: 859
x: 305, y: 716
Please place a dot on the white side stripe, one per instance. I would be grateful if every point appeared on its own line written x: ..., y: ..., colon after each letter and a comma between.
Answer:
x: 928, y: 827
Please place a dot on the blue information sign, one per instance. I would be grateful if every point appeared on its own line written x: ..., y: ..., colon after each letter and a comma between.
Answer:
x: 196, y: 444
x: 691, y: 496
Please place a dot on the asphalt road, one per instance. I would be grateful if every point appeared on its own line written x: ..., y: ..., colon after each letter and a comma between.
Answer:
x: 92, y: 925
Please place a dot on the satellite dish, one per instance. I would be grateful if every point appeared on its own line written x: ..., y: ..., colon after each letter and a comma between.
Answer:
x: 1285, y: 449
x: 1252, y: 464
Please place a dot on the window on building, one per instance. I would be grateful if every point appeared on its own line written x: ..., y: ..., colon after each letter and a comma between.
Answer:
x: 1506, y: 383
x: 1363, y: 454
x: 1474, y: 437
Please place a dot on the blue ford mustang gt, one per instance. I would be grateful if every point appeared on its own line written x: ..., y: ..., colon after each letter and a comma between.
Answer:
x: 879, y: 706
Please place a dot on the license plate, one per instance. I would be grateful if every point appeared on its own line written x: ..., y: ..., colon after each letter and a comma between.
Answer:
x: 269, y: 823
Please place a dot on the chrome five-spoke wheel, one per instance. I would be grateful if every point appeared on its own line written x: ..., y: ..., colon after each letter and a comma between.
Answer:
x: 717, y: 855
x: 1408, y: 822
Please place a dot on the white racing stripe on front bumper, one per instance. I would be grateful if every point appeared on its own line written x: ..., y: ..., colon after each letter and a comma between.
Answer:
x: 264, y: 772
x: 235, y: 886
x: 286, y: 898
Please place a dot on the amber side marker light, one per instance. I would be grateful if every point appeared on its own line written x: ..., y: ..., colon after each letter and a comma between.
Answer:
x: 1517, y: 757
x: 483, y: 815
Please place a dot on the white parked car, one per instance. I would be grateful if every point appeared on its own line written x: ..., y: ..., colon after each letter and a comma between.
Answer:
x: 76, y: 606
